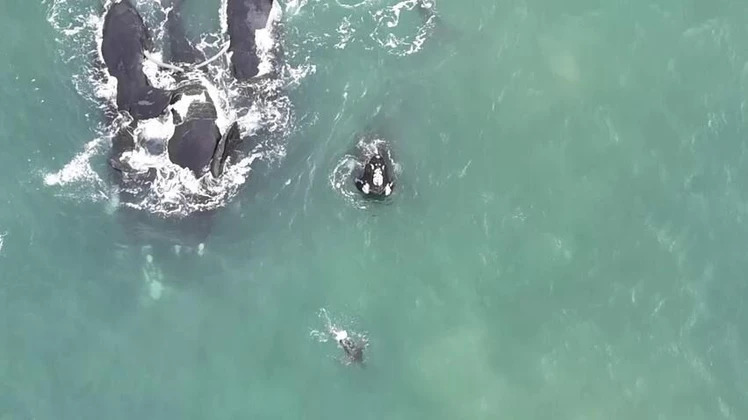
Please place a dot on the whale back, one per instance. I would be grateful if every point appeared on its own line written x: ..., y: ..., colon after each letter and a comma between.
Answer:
x: 125, y: 39
x: 196, y: 134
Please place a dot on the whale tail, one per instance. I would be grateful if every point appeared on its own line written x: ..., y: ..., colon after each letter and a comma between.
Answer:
x: 228, y: 143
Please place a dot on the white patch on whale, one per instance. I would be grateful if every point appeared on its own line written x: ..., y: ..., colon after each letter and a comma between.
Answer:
x: 183, y: 104
x: 378, y: 177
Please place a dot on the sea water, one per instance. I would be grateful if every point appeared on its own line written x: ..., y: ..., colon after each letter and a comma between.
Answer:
x: 566, y: 239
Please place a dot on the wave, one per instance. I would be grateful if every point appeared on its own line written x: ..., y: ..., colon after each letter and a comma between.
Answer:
x: 373, y: 25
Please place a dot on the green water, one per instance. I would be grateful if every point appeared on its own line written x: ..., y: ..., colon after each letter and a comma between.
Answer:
x: 566, y: 241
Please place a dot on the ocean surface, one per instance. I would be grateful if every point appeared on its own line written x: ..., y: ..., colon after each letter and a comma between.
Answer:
x: 566, y: 240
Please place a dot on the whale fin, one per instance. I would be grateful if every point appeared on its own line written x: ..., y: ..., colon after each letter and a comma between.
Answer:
x: 230, y: 139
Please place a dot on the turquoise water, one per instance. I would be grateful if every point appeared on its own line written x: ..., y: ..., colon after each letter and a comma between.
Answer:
x: 566, y: 240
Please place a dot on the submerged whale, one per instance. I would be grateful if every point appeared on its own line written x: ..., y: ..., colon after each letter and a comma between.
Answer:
x: 354, y: 350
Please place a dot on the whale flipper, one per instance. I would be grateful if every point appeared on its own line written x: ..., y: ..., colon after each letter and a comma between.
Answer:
x: 229, y: 141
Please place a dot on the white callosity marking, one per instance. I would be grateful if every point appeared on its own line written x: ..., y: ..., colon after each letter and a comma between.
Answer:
x: 388, y: 189
x: 365, y: 189
x: 378, y: 177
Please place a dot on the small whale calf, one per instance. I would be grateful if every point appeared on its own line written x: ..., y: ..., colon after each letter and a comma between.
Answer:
x: 375, y: 179
x: 354, y: 351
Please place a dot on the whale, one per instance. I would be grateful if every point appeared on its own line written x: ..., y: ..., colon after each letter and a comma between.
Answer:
x: 375, y: 178
x: 197, y: 143
x: 126, y: 40
x: 353, y: 350
x: 244, y: 17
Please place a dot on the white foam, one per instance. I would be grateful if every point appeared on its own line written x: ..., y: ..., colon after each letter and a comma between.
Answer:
x: 340, y: 335
x: 346, y: 32
x: 184, y: 103
x: 265, y: 40
x: 388, y: 33
x: 2, y: 240
x: 79, y: 169
x: 389, y: 18
x: 293, y: 7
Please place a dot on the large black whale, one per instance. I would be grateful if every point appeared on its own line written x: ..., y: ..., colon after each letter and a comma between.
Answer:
x: 125, y: 41
x: 197, y: 143
x: 244, y: 17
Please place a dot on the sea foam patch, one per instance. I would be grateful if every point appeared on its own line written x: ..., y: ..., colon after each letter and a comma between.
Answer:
x: 399, y: 29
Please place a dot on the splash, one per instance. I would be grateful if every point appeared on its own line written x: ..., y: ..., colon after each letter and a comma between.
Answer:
x: 334, y: 330
x: 79, y: 173
x: 262, y: 109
